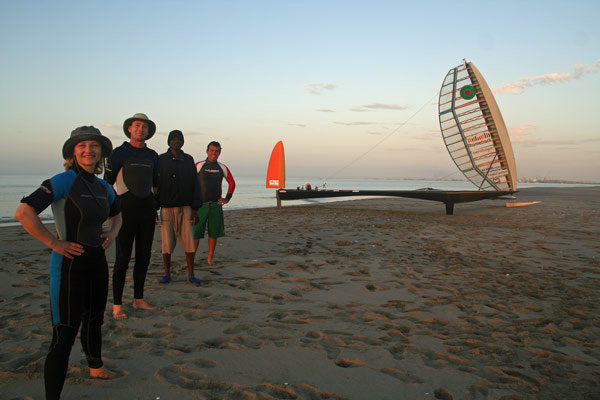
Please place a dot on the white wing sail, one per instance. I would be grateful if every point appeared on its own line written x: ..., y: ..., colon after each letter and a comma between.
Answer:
x: 474, y: 131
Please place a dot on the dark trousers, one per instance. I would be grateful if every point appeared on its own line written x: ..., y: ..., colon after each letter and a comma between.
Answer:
x: 138, y: 225
x: 79, y: 300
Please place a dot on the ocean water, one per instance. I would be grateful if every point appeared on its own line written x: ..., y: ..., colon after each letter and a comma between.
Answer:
x: 250, y: 192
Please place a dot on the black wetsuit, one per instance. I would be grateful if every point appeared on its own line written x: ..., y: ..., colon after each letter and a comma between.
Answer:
x: 81, y: 202
x: 135, y: 173
x: 210, y: 175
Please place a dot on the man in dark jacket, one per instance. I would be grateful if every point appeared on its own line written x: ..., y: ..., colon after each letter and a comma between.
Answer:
x: 132, y: 169
x: 180, y: 197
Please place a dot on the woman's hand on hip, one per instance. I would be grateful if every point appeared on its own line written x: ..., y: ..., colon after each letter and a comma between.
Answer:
x: 67, y: 249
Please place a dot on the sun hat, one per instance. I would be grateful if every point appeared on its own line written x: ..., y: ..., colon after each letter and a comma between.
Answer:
x: 139, y: 117
x: 174, y: 133
x: 86, y: 133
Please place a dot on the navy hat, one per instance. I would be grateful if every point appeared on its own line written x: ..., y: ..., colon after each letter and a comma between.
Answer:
x: 174, y: 133
x: 139, y: 117
x: 86, y: 133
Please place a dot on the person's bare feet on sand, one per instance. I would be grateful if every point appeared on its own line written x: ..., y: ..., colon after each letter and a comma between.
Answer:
x: 118, y: 313
x: 140, y: 304
x: 101, y: 373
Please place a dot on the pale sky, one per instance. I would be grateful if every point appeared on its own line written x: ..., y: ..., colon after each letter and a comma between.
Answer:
x: 332, y: 79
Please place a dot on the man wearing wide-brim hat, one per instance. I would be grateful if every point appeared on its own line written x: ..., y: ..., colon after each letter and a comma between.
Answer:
x: 133, y: 169
x: 139, y: 117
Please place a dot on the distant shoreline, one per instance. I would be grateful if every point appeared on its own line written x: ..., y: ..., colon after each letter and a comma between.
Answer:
x: 556, y: 181
x: 520, y: 180
x: 48, y: 219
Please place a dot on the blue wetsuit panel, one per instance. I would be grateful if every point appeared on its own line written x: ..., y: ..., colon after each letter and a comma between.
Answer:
x: 80, y: 204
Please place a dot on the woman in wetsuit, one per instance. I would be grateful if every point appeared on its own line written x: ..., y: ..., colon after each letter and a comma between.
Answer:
x: 81, y: 203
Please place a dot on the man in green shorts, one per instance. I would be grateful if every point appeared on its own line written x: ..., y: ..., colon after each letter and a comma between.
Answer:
x: 210, y: 175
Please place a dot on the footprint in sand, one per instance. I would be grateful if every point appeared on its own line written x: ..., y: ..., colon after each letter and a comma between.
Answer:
x: 349, y: 363
x: 270, y: 391
x: 179, y: 375
x: 204, y: 363
x: 160, y: 333
x: 398, y: 350
x: 180, y: 348
x: 332, y: 346
x: 315, y: 335
x: 404, y: 376
x: 194, y: 315
x: 278, y: 339
x: 310, y: 392
x: 237, y: 329
x: 216, y: 343
x: 246, y: 342
x: 304, y: 267
x: 442, y: 394
x: 373, y: 287
x: 166, y: 325
x: 29, y: 296
x: 256, y: 265
x: 311, y: 338
x: 318, y: 285
x: 30, y: 363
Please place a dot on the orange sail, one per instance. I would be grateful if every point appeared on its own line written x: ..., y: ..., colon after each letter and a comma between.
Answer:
x: 276, y: 169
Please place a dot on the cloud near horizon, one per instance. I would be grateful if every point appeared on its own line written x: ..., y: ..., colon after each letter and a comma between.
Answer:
x: 592, y: 140
x: 532, y: 143
x: 318, y: 87
x: 378, y: 106
x: 112, y: 126
x: 185, y: 133
x: 579, y: 71
x: 383, y: 106
x: 357, y: 123
x: 524, y: 136
x: 518, y: 134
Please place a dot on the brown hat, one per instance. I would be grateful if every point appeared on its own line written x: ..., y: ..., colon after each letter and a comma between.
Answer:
x: 139, y: 117
x: 86, y: 133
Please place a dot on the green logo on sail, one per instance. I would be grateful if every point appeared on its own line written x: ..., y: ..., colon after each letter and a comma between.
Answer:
x: 467, y: 92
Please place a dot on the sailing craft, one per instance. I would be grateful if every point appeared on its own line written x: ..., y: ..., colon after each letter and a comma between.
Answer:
x: 475, y: 136
x: 276, y: 169
x: 474, y: 131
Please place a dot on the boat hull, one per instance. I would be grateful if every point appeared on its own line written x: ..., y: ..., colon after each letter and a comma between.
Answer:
x: 448, y: 197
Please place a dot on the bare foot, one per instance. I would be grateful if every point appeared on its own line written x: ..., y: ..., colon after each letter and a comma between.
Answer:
x: 140, y: 304
x: 118, y: 313
x: 101, y: 373
x: 209, y: 261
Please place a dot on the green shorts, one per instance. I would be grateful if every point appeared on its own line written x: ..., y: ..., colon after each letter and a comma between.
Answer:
x: 211, y: 213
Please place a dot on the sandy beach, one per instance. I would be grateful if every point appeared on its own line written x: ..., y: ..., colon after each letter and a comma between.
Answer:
x: 382, y: 298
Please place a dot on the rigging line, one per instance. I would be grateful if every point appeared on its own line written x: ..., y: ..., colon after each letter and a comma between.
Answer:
x: 444, y: 177
x: 382, y: 140
x: 488, y: 171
